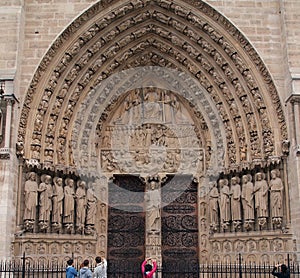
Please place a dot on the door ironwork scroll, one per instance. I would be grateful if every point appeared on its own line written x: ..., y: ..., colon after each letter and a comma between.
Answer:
x: 179, y: 226
x: 126, y: 224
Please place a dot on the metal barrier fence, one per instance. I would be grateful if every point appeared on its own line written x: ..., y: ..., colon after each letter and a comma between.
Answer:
x: 23, y: 268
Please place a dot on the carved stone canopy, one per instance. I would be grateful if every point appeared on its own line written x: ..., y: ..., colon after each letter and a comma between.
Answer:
x: 227, y: 81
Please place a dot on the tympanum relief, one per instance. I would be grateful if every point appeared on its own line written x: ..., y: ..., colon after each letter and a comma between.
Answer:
x: 151, y: 132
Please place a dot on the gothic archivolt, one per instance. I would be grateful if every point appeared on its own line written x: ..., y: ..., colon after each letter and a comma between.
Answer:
x: 229, y: 103
x: 215, y: 54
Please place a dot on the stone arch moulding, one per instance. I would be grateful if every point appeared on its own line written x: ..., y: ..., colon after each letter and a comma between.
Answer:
x: 227, y: 81
x: 182, y: 48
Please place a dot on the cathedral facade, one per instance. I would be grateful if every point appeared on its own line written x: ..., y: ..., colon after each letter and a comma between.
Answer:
x: 138, y: 128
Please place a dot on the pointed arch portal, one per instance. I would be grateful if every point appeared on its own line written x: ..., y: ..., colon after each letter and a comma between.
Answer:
x: 154, y: 89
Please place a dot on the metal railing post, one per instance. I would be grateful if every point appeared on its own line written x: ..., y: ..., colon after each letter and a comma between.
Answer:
x: 23, y: 265
x: 240, y: 266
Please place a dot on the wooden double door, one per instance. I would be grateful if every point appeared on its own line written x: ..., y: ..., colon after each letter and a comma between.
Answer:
x: 126, y: 226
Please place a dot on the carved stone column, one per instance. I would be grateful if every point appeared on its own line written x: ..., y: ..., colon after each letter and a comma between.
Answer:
x: 8, y: 169
x: 153, y: 217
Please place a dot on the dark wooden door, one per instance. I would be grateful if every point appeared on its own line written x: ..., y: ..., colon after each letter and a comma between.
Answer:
x: 126, y: 226
x: 179, y: 227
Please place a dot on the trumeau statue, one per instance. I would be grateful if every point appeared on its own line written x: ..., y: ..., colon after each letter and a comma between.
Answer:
x: 153, y: 206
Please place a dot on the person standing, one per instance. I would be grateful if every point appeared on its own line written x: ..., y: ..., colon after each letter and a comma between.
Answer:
x: 71, y: 272
x: 85, y: 271
x: 281, y: 271
x: 148, y: 268
x: 100, y: 270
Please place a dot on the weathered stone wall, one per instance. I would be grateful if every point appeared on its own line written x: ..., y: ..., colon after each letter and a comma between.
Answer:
x: 28, y: 28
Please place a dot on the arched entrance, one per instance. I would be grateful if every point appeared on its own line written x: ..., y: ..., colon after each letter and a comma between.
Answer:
x: 130, y: 81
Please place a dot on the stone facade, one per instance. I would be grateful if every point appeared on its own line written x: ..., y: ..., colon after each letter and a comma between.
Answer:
x: 207, y: 88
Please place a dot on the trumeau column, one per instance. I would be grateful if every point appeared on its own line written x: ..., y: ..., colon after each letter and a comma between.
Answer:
x: 293, y: 104
x: 153, y: 217
x: 8, y: 171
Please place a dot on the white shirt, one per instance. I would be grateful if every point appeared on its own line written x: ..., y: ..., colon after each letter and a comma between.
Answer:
x: 100, y: 270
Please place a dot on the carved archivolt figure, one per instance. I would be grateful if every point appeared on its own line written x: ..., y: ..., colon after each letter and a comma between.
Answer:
x: 30, y: 196
x: 69, y: 202
x: 225, y: 201
x: 214, y: 205
x: 235, y: 199
x: 276, y: 188
x: 153, y: 204
x: 58, y: 196
x: 45, y: 201
x: 247, y: 197
x: 80, y: 205
x: 261, y: 190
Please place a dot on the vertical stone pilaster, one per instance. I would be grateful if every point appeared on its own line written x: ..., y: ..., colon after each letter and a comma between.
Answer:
x: 8, y: 185
x: 8, y: 172
x: 293, y: 162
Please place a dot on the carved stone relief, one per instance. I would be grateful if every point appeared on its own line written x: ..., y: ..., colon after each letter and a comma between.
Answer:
x: 234, y: 73
x: 152, y: 129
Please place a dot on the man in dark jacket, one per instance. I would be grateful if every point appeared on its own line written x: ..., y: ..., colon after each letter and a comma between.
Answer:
x: 281, y: 271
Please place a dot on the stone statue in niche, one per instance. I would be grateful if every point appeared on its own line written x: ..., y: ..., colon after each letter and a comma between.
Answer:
x: 45, y: 201
x: 261, y: 190
x: 248, y: 201
x: 180, y: 114
x: 276, y: 197
x: 58, y: 196
x: 69, y: 202
x: 91, y: 210
x: 153, y: 205
x: 224, y: 203
x: 168, y: 108
x: 80, y: 206
x: 214, y: 206
x: 152, y: 106
x: 236, y: 202
x: 30, y: 200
